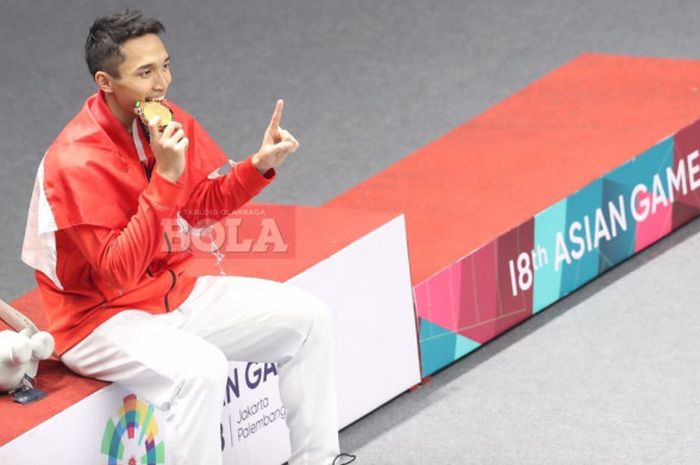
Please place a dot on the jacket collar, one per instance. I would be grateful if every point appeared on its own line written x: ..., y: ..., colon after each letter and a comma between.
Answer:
x: 113, y: 127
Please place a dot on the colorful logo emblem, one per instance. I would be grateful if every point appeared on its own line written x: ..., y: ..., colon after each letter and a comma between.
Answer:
x: 132, y: 440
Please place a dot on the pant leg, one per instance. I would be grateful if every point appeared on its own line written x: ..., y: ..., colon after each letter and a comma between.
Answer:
x: 258, y: 320
x: 169, y: 368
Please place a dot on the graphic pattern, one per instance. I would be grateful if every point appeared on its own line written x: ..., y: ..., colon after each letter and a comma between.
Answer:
x: 558, y: 250
x: 134, y: 415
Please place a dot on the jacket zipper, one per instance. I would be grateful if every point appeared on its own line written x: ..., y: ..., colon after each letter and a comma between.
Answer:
x: 165, y: 299
x: 172, y: 274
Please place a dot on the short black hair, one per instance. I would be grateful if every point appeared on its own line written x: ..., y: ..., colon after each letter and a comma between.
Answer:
x: 109, y: 32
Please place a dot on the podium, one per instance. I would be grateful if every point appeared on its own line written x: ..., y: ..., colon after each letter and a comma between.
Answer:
x: 528, y: 201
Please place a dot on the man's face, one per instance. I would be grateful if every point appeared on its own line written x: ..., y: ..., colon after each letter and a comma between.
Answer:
x: 145, y: 72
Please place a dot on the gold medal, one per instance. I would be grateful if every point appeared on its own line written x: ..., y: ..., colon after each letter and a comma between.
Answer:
x: 149, y: 109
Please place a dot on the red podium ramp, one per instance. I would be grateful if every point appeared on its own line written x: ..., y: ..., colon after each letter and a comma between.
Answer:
x: 528, y: 201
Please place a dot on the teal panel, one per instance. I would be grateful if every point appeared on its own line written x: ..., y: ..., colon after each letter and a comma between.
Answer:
x: 437, y: 347
x: 618, y: 187
x: 464, y: 345
x: 622, y: 226
x: 575, y: 254
x: 548, y: 224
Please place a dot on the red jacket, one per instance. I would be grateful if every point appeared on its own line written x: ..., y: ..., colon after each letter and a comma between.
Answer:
x: 96, y: 227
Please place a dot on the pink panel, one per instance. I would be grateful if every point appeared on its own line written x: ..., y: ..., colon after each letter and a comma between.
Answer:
x: 655, y: 226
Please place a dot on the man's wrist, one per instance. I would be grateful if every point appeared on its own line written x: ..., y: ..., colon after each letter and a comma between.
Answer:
x: 169, y: 175
x: 163, y: 191
x: 259, y: 164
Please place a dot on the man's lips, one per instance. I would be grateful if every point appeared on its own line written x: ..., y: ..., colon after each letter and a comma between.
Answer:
x: 155, y: 99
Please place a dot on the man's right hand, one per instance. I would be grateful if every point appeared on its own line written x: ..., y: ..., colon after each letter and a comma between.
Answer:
x: 169, y: 149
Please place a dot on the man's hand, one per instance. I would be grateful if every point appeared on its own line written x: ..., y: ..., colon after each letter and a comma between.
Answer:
x: 169, y: 149
x: 277, y: 144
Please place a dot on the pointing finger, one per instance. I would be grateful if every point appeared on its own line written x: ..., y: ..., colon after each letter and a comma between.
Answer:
x: 277, y: 116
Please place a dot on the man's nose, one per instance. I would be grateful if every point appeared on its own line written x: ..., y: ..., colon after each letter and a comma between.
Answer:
x: 161, y: 81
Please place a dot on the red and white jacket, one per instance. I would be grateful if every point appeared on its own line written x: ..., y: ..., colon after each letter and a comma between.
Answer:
x: 96, y: 227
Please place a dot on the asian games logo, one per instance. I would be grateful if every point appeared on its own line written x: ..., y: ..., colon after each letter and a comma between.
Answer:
x: 132, y: 439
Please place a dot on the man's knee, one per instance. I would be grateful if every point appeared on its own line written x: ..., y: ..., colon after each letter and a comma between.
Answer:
x: 320, y: 318
x: 207, y: 367
x: 307, y: 315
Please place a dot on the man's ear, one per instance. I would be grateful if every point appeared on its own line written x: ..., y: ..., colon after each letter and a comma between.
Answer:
x: 104, y: 82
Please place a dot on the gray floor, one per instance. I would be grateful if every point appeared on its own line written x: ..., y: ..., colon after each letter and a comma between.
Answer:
x: 606, y: 376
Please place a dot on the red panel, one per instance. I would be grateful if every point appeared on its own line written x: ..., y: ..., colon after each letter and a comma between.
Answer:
x: 685, y: 206
x: 479, y: 295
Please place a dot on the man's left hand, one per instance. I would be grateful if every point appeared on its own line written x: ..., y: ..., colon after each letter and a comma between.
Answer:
x: 277, y: 143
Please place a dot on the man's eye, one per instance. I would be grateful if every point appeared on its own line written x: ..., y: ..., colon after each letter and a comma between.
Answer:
x: 166, y: 66
x: 145, y: 73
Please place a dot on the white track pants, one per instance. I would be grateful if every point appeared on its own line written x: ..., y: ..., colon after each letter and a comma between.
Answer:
x: 179, y: 362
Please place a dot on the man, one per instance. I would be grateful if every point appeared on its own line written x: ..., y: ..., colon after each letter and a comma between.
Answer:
x: 118, y: 303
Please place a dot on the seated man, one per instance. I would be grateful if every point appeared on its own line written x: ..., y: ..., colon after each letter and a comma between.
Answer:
x: 117, y: 299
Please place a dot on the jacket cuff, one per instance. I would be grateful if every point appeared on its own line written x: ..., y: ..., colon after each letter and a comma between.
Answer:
x: 164, y: 192
x: 251, y: 178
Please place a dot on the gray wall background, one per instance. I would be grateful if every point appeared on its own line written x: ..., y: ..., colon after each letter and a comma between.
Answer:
x: 365, y: 82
